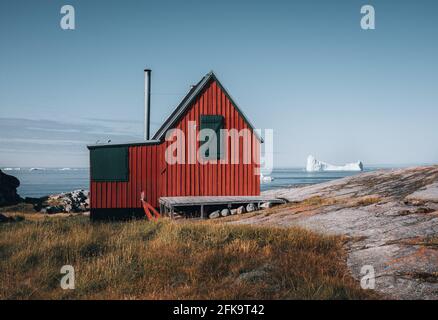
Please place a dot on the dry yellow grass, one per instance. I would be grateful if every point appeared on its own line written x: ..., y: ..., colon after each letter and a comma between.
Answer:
x: 366, y: 201
x: 168, y: 260
x: 318, y: 201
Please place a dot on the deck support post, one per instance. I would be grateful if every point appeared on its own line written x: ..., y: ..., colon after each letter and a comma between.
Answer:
x: 202, y: 211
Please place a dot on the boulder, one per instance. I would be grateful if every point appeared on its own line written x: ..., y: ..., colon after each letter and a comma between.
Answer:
x: 225, y: 212
x: 233, y: 211
x: 241, y: 210
x: 214, y: 214
x: 266, y: 205
x: 8, y: 190
x: 251, y: 207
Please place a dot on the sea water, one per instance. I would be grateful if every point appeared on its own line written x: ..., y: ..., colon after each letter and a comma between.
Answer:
x: 295, y: 177
x: 38, y: 182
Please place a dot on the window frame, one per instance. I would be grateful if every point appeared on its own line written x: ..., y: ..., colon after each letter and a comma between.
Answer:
x: 101, y: 157
x: 213, y: 119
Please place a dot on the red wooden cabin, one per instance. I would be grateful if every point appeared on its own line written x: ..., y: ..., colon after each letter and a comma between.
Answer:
x: 120, y: 172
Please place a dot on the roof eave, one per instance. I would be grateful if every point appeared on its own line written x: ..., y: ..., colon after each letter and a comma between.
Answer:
x: 133, y: 143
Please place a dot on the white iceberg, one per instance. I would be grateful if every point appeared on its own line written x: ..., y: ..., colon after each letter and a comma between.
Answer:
x: 314, y: 165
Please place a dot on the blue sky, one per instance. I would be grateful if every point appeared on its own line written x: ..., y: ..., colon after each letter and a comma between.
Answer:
x: 303, y: 68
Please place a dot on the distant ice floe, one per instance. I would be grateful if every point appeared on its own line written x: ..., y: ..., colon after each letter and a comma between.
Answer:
x: 314, y: 165
x: 11, y: 169
x: 265, y: 179
x: 55, y: 169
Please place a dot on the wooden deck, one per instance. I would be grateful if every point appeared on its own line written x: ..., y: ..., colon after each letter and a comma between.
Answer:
x: 168, y: 205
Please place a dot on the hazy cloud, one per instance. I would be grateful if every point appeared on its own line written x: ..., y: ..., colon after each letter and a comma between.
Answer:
x: 26, y: 142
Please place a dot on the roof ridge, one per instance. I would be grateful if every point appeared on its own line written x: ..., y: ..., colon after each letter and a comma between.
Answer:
x: 186, y: 102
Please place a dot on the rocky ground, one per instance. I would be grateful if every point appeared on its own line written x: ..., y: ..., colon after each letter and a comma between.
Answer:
x: 68, y: 202
x: 389, y: 218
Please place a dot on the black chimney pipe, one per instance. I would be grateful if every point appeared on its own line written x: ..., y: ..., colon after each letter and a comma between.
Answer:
x: 147, y: 103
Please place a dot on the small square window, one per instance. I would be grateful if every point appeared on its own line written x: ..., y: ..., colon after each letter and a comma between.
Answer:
x: 215, y: 123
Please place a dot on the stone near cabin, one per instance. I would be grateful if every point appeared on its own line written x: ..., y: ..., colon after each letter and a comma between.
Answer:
x: 266, y: 205
x: 233, y: 212
x: 225, y: 212
x: 214, y: 214
x: 8, y: 189
x: 251, y: 207
x: 70, y: 202
x: 241, y: 210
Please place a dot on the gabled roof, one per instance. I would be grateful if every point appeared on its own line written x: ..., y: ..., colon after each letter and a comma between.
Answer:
x: 186, y: 102
x: 178, y: 113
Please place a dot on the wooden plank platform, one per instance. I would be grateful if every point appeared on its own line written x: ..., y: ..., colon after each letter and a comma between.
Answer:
x: 169, y: 204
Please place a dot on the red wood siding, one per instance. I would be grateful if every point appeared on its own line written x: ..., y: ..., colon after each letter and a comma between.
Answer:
x: 149, y: 172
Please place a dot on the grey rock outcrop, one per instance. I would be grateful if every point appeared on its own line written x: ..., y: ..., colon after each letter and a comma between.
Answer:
x: 390, y: 217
